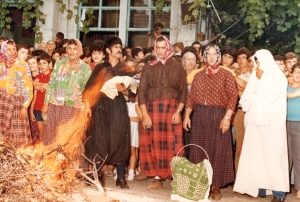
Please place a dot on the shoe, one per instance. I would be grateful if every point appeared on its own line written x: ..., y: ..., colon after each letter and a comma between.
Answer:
x: 155, y: 184
x: 141, y: 176
x: 216, y: 194
x: 130, y: 175
x: 276, y: 199
x: 298, y: 194
x: 122, y: 183
x: 109, y: 173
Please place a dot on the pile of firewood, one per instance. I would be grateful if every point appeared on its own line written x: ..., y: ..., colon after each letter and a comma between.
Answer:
x: 46, y: 173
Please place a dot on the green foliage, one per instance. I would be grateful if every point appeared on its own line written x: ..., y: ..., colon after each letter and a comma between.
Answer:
x: 5, y: 20
x: 32, y: 13
x: 281, y: 17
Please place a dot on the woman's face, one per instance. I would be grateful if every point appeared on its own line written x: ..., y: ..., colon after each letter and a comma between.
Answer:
x: 212, y: 56
x: 189, y: 61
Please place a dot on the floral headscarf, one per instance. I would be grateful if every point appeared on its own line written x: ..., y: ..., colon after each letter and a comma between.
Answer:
x: 215, y: 66
x: 169, y: 52
x: 3, y: 54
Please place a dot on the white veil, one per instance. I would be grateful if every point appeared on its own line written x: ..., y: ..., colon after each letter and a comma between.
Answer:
x: 259, y: 91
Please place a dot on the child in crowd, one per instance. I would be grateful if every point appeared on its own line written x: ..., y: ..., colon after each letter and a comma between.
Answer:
x: 45, y: 63
x: 178, y: 47
x: 63, y: 53
x: 97, y: 51
x: 135, y: 115
x: 137, y: 53
x: 55, y: 55
x: 34, y: 68
x: 280, y: 62
x: 291, y: 58
x: 86, y: 57
x: 33, y: 65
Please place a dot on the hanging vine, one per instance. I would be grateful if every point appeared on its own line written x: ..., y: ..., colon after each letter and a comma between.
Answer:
x: 32, y: 13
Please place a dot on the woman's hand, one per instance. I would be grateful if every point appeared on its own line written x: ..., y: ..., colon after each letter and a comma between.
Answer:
x: 147, y: 122
x: 32, y: 117
x: 187, y: 123
x: 23, y: 113
x: 224, y: 125
x: 176, y: 118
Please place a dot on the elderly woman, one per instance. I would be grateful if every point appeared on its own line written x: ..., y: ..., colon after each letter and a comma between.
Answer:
x: 213, y: 96
x: 189, y: 62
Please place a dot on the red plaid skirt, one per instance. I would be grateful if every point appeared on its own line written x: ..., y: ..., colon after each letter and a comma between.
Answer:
x: 206, y: 132
x: 161, y: 143
x: 15, y: 131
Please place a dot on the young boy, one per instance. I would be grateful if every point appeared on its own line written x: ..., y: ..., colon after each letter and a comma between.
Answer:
x: 39, y: 94
x: 280, y: 62
x: 137, y: 53
x: 290, y: 59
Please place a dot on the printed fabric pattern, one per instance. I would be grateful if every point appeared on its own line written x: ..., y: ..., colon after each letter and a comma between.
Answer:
x: 66, y: 86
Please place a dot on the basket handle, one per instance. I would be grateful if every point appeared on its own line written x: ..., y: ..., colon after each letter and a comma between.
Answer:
x: 193, y: 145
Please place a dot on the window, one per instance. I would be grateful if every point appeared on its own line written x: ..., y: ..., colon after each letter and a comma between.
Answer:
x: 141, y: 20
x: 138, y: 17
x: 107, y: 14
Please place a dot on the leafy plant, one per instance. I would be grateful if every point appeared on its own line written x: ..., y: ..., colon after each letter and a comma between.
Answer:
x: 33, y: 13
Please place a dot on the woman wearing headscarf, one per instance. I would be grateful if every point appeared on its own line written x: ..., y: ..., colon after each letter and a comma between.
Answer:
x: 264, y: 157
x: 162, y: 94
x: 213, y: 98
x: 16, y: 92
x: 63, y: 100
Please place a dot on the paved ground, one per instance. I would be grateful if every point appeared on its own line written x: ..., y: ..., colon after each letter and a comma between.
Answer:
x: 139, y: 193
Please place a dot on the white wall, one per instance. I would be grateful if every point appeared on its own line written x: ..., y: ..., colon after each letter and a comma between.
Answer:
x: 56, y: 21
x: 178, y: 31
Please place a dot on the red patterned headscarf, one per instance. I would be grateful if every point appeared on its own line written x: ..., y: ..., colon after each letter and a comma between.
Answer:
x: 215, y: 66
x: 169, y: 52
x: 3, y: 54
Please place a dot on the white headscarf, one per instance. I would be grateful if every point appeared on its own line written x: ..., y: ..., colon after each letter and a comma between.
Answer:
x: 258, y: 90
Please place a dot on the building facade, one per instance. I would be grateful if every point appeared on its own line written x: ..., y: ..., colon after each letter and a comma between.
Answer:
x: 131, y: 20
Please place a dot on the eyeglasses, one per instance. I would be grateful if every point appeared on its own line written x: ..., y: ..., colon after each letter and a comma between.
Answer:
x: 211, y: 54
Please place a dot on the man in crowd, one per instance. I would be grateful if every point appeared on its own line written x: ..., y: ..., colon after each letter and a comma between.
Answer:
x: 239, y: 129
x: 152, y: 36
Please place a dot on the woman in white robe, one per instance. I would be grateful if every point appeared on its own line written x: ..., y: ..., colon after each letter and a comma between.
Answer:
x: 264, y: 157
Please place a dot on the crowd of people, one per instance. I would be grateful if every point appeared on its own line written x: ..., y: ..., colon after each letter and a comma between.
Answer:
x: 144, y: 104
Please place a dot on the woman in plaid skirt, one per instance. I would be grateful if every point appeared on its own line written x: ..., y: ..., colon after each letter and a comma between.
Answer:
x: 16, y: 92
x: 213, y: 98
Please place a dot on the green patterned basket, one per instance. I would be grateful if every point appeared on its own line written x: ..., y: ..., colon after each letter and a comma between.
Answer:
x: 191, y: 182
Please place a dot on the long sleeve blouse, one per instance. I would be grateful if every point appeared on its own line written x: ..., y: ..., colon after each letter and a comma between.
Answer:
x: 65, y: 88
x: 17, y: 81
x: 218, y: 90
x: 163, y: 82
